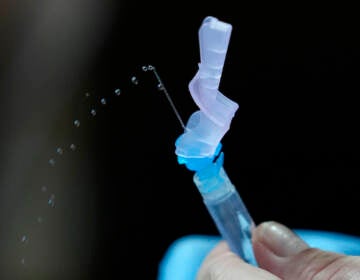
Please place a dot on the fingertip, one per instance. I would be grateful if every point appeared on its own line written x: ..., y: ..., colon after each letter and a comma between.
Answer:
x: 222, y: 263
x: 273, y: 243
x: 280, y: 251
x: 265, y: 258
x: 279, y: 239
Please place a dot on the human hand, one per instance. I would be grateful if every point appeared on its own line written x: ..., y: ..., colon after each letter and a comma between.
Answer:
x: 281, y: 254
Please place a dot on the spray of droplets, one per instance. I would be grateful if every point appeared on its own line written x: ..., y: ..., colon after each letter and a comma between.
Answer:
x: 147, y: 68
x: 51, y: 202
x: 59, y: 151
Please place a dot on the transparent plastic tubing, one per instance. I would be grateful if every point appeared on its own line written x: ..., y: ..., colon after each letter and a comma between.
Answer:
x: 227, y: 210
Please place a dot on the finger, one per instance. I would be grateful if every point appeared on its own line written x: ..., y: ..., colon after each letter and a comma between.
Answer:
x: 222, y: 264
x: 281, y: 252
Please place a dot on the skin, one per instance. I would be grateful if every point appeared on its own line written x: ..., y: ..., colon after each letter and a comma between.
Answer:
x: 281, y: 254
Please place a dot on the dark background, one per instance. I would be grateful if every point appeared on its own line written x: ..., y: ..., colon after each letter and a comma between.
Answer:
x: 292, y: 150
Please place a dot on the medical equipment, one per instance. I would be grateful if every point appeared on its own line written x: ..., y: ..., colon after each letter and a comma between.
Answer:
x: 199, y: 147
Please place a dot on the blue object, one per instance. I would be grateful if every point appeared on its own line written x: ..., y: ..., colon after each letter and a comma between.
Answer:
x: 185, y: 255
x: 199, y: 147
x: 226, y: 208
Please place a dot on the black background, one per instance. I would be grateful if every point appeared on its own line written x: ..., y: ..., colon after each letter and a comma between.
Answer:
x: 292, y: 150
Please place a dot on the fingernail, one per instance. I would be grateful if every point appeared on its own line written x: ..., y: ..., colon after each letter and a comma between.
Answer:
x: 282, y: 241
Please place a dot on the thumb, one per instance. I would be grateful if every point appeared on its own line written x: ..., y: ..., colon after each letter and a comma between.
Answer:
x: 281, y: 252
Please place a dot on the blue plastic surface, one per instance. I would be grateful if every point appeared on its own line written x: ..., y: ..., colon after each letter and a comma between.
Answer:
x: 185, y: 255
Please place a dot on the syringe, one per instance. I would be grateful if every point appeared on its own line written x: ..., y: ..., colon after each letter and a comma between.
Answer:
x: 226, y: 208
x: 199, y: 147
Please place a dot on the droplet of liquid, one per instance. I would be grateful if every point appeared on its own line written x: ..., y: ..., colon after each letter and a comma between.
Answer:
x: 160, y: 87
x: 103, y: 101
x: 117, y: 92
x: 43, y: 188
x: 52, y: 162
x: 60, y: 151
x: 134, y: 80
x: 77, y: 123
x: 144, y: 68
x: 51, y: 200
x: 93, y: 112
x: 24, y: 239
x: 73, y: 147
x: 22, y: 261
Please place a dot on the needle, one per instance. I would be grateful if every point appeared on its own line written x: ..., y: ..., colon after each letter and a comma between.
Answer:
x: 162, y: 88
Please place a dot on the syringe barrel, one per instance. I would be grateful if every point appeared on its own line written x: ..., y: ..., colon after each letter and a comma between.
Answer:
x: 228, y: 212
